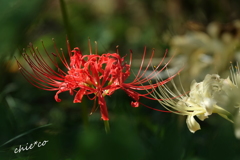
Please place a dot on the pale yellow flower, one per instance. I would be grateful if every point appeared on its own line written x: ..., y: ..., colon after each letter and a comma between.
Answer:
x: 234, y: 98
x: 206, y: 50
x: 202, y: 100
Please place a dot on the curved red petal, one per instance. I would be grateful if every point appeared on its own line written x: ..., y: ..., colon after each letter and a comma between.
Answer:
x: 78, y: 97
x: 56, y: 96
x: 135, y: 104
x: 103, y: 108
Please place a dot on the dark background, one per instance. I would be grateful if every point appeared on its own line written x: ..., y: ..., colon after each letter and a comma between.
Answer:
x: 136, y: 133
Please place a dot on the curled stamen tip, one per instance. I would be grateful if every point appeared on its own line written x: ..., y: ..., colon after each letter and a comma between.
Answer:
x: 95, y: 42
x: 230, y: 61
x: 19, y: 68
x: 61, y: 49
x: 117, y: 46
x: 54, y: 54
x: 36, y: 47
x: 154, y: 67
x: 90, y: 113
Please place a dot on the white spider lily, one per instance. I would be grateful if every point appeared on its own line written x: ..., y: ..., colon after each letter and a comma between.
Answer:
x: 235, y: 76
x: 201, y: 100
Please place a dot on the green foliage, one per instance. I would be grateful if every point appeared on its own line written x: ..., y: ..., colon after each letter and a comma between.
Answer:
x: 136, y: 133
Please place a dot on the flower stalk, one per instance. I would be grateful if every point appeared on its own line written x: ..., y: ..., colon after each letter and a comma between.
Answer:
x: 107, y: 126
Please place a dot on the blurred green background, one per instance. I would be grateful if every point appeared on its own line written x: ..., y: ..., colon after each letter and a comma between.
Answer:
x: 136, y: 133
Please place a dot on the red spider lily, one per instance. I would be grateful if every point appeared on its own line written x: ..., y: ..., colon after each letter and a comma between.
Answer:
x: 93, y: 74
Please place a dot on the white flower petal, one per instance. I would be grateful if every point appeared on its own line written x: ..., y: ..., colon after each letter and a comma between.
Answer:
x: 208, y: 105
x: 193, y: 84
x: 222, y: 112
x: 227, y: 84
x: 192, y: 124
x: 202, y: 117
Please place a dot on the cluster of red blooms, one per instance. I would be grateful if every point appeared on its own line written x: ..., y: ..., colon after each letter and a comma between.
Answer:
x: 93, y: 74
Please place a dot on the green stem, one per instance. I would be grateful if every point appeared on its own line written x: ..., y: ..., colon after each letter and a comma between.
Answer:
x: 66, y: 21
x: 107, y: 127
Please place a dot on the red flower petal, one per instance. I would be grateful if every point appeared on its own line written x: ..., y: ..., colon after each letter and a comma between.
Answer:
x: 78, y: 97
x: 135, y: 104
x: 103, y: 108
